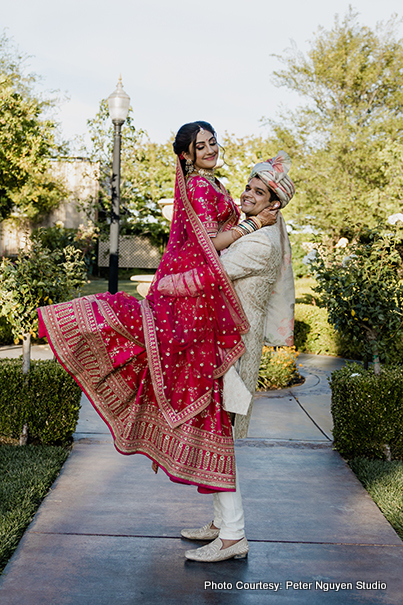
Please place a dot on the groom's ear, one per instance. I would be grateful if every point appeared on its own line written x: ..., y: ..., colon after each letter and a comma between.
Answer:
x: 276, y: 205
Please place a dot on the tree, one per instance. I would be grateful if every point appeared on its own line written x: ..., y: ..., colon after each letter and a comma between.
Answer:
x: 352, y: 83
x: 38, y: 277
x: 147, y: 175
x: 59, y: 238
x: 362, y: 289
x: 27, y: 141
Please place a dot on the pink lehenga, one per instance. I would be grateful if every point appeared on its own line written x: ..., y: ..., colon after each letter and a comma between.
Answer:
x: 153, y: 369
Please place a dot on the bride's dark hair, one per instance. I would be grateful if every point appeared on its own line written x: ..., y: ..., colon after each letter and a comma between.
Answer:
x: 186, y: 135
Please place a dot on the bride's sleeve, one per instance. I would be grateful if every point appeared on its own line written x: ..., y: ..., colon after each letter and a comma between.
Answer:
x: 204, y: 201
x: 190, y: 283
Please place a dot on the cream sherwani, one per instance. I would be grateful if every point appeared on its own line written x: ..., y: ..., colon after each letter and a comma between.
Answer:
x: 259, y: 265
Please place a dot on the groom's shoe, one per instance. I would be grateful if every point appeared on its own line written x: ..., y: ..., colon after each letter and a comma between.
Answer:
x: 202, y: 533
x: 214, y: 552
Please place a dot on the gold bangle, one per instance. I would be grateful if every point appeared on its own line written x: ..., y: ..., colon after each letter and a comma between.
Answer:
x: 257, y: 221
x: 237, y: 231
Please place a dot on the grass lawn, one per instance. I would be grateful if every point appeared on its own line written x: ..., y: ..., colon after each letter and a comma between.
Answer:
x: 303, y: 291
x: 99, y: 286
x: 26, y: 474
x: 384, y: 483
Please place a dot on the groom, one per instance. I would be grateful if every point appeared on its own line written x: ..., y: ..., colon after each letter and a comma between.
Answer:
x: 259, y: 265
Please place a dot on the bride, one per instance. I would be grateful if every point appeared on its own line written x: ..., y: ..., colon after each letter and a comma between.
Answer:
x: 153, y: 369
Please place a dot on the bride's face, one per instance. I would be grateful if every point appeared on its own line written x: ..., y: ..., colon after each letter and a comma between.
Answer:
x: 205, y: 152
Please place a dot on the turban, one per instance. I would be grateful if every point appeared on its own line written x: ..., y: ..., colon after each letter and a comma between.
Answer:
x: 273, y: 173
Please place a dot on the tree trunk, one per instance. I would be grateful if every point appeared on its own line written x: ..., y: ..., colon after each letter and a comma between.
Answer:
x: 26, y: 353
x: 377, y: 363
x: 24, y: 435
x: 388, y: 453
x: 372, y: 337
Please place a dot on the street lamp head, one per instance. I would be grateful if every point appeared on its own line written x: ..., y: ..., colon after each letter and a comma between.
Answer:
x: 119, y: 103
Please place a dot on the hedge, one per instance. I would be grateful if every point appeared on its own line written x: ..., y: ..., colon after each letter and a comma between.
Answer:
x: 314, y: 334
x: 47, y: 399
x: 367, y: 411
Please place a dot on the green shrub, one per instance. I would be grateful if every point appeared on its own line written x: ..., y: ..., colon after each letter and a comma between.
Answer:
x: 6, y: 335
x: 278, y: 368
x: 59, y: 237
x: 362, y: 290
x: 314, y: 334
x: 38, y: 277
x: 299, y: 251
x: 368, y: 411
x: 47, y: 399
x: 396, y: 349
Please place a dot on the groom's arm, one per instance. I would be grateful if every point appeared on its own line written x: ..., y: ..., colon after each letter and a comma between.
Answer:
x: 251, y: 255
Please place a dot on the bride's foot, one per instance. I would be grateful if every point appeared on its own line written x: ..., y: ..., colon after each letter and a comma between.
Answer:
x: 154, y: 466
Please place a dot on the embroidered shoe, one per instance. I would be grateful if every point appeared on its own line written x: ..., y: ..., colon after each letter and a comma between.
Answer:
x: 202, y: 533
x: 212, y: 552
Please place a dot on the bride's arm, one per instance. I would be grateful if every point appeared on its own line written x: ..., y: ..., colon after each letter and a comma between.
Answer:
x: 204, y: 199
x: 226, y: 238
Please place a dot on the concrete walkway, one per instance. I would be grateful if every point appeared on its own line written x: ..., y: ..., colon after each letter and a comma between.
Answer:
x: 108, y: 532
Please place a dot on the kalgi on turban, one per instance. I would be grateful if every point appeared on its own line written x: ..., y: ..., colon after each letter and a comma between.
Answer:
x: 273, y: 173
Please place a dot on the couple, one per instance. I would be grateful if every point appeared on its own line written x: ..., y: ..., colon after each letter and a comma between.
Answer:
x: 170, y: 373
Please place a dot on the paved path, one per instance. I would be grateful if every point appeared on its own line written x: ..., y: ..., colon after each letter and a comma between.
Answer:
x: 108, y: 532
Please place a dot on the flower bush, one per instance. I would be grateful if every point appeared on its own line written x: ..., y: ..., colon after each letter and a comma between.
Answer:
x: 362, y: 290
x: 278, y: 368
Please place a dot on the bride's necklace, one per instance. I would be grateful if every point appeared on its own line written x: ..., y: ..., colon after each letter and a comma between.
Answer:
x: 204, y: 172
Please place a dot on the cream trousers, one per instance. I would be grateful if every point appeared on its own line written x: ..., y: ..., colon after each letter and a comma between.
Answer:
x: 228, y: 513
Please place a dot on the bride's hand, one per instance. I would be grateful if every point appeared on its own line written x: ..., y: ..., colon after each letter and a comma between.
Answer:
x: 268, y: 216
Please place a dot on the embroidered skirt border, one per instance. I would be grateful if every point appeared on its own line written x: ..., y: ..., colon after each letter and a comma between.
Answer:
x: 186, y: 453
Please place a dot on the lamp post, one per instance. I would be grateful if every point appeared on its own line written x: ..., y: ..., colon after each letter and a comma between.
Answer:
x: 118, y: 103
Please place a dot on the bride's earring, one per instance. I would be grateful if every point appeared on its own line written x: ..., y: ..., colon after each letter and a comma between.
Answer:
x: 189, y: 166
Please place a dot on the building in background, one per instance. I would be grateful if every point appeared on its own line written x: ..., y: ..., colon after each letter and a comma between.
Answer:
x: 81, y: 179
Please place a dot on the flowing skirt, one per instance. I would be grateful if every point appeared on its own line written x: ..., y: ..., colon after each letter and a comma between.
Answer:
x: 100, y: 341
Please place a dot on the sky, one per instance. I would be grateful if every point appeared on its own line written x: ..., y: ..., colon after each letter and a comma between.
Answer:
x: 180, y: 60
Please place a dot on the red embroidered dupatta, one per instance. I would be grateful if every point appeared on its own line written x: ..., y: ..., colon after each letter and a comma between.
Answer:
x: 153, y: 369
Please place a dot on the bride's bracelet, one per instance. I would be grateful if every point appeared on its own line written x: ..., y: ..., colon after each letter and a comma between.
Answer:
x: 250, y: 225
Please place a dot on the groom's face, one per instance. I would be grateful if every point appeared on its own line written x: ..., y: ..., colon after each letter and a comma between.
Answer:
x: 255, y: 198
